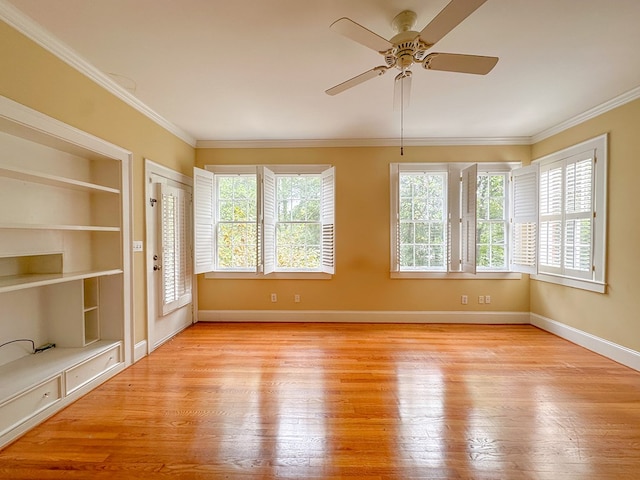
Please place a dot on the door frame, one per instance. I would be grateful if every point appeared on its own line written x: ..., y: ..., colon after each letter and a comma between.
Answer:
x: 153, y: 168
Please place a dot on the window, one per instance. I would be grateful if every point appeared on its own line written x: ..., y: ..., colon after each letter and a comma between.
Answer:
x: 572, y: 215
x: 449, y: 218
x: 265, y: 220
x: 237, y: 222
x: 423, y: 221
x: 492, y: 222
x: 298, y: 226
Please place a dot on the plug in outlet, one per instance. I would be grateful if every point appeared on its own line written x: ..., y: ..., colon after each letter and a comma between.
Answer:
x: 487, y: 299
x: 464, y: 299
x: 274, y: 297
x: 481, y: 299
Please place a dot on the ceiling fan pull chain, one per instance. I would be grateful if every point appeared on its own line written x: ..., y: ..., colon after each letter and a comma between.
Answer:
x: 402, y: 117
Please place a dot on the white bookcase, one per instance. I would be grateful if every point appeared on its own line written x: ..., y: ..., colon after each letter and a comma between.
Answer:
x: 64, y: 265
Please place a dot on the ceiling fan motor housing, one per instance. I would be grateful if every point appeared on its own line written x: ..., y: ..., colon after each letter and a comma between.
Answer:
x: 407, y: 50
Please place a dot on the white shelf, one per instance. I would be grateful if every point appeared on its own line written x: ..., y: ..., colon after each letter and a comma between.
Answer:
x: 53, y: 180
x: 18, y: 282
x: 20, y: 375
x: 42, y: 226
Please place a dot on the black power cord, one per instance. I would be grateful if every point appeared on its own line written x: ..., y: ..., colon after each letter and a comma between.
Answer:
x: 33, y: 344
x: 44, y: 347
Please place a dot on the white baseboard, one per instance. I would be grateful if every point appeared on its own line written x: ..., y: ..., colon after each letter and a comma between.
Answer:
x: 346, y: 316
x: 599, y: 345
x: 139, y: 350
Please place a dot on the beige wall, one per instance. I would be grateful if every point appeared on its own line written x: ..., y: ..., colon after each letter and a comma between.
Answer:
x: 32, y: 76
x: 615, y: 315
x: 362, y: 280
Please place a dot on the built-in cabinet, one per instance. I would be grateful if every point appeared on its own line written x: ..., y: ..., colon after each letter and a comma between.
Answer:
x: 64, y: 268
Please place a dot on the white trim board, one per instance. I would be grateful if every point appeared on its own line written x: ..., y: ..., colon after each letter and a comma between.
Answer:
x: 363, y: 142
x: 139, y: 350
x: 363, y: 316
x: 613, y: 351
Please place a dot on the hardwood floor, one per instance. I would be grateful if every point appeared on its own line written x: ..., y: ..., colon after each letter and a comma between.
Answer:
x: 330, y: 401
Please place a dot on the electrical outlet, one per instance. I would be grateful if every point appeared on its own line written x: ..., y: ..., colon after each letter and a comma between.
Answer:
x: 137, y: 246
x: 296, y: 298
x: 481, y: 299
x: 464, y: 300
x: 487, y: 299
x: 274, y: 297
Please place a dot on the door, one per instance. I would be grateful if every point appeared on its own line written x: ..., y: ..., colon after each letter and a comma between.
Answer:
x: 169, y: 253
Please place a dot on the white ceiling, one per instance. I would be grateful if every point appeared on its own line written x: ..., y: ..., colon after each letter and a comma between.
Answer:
x: 250, y: 70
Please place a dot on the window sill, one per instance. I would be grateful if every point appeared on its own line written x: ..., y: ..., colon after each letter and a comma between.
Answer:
x: 589, y: 285
x: 458, y: 275
x: 271, y: 276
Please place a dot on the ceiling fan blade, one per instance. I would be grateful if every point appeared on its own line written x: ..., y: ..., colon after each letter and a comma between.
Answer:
x: 453, y: 62
x: 402, y: 91
x: 360, y: 34
x: 357, y: 80
x: 448, y: 18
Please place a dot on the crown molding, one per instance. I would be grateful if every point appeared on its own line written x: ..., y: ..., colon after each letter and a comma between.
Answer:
x: 25, y: 25
x: 363, y: 142
x: 615, y: 102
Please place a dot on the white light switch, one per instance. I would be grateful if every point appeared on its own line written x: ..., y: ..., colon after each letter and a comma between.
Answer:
x: 137, y: 246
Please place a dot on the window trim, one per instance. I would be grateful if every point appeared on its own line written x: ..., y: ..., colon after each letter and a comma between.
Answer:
x: 453, y: 169
x: 599, y: 145
x: 278, y: 169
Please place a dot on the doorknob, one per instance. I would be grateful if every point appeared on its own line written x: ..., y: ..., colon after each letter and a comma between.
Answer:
x: 157, y: 267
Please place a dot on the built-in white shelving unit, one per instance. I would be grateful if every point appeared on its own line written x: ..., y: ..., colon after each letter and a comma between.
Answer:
x: 64, y: 268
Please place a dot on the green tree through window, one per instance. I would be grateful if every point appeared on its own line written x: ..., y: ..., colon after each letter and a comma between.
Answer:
x: 237, y: 222
x: 491, y: 221
x: 298, y: 228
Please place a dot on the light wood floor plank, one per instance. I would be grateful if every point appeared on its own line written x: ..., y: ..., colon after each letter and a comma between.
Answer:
x: 340, y: 401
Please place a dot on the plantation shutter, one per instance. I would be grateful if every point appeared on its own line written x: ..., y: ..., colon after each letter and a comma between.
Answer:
x: 550, y: 235
x: 174, y: 210
x: 204, y: 221
x: 524, y: 224
x: 578, y: 211
x: 268, y: 220
x: 469, y: 244
x: 327, y: 218
x: 394, y: 174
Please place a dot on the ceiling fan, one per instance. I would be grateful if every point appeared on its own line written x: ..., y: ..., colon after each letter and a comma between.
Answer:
x: 409, y: 47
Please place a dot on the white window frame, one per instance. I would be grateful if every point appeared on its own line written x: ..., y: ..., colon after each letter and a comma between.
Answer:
x: 205, y: 227
x: 395, y: 209
x: 596, y: 147
x: 461, y: 264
